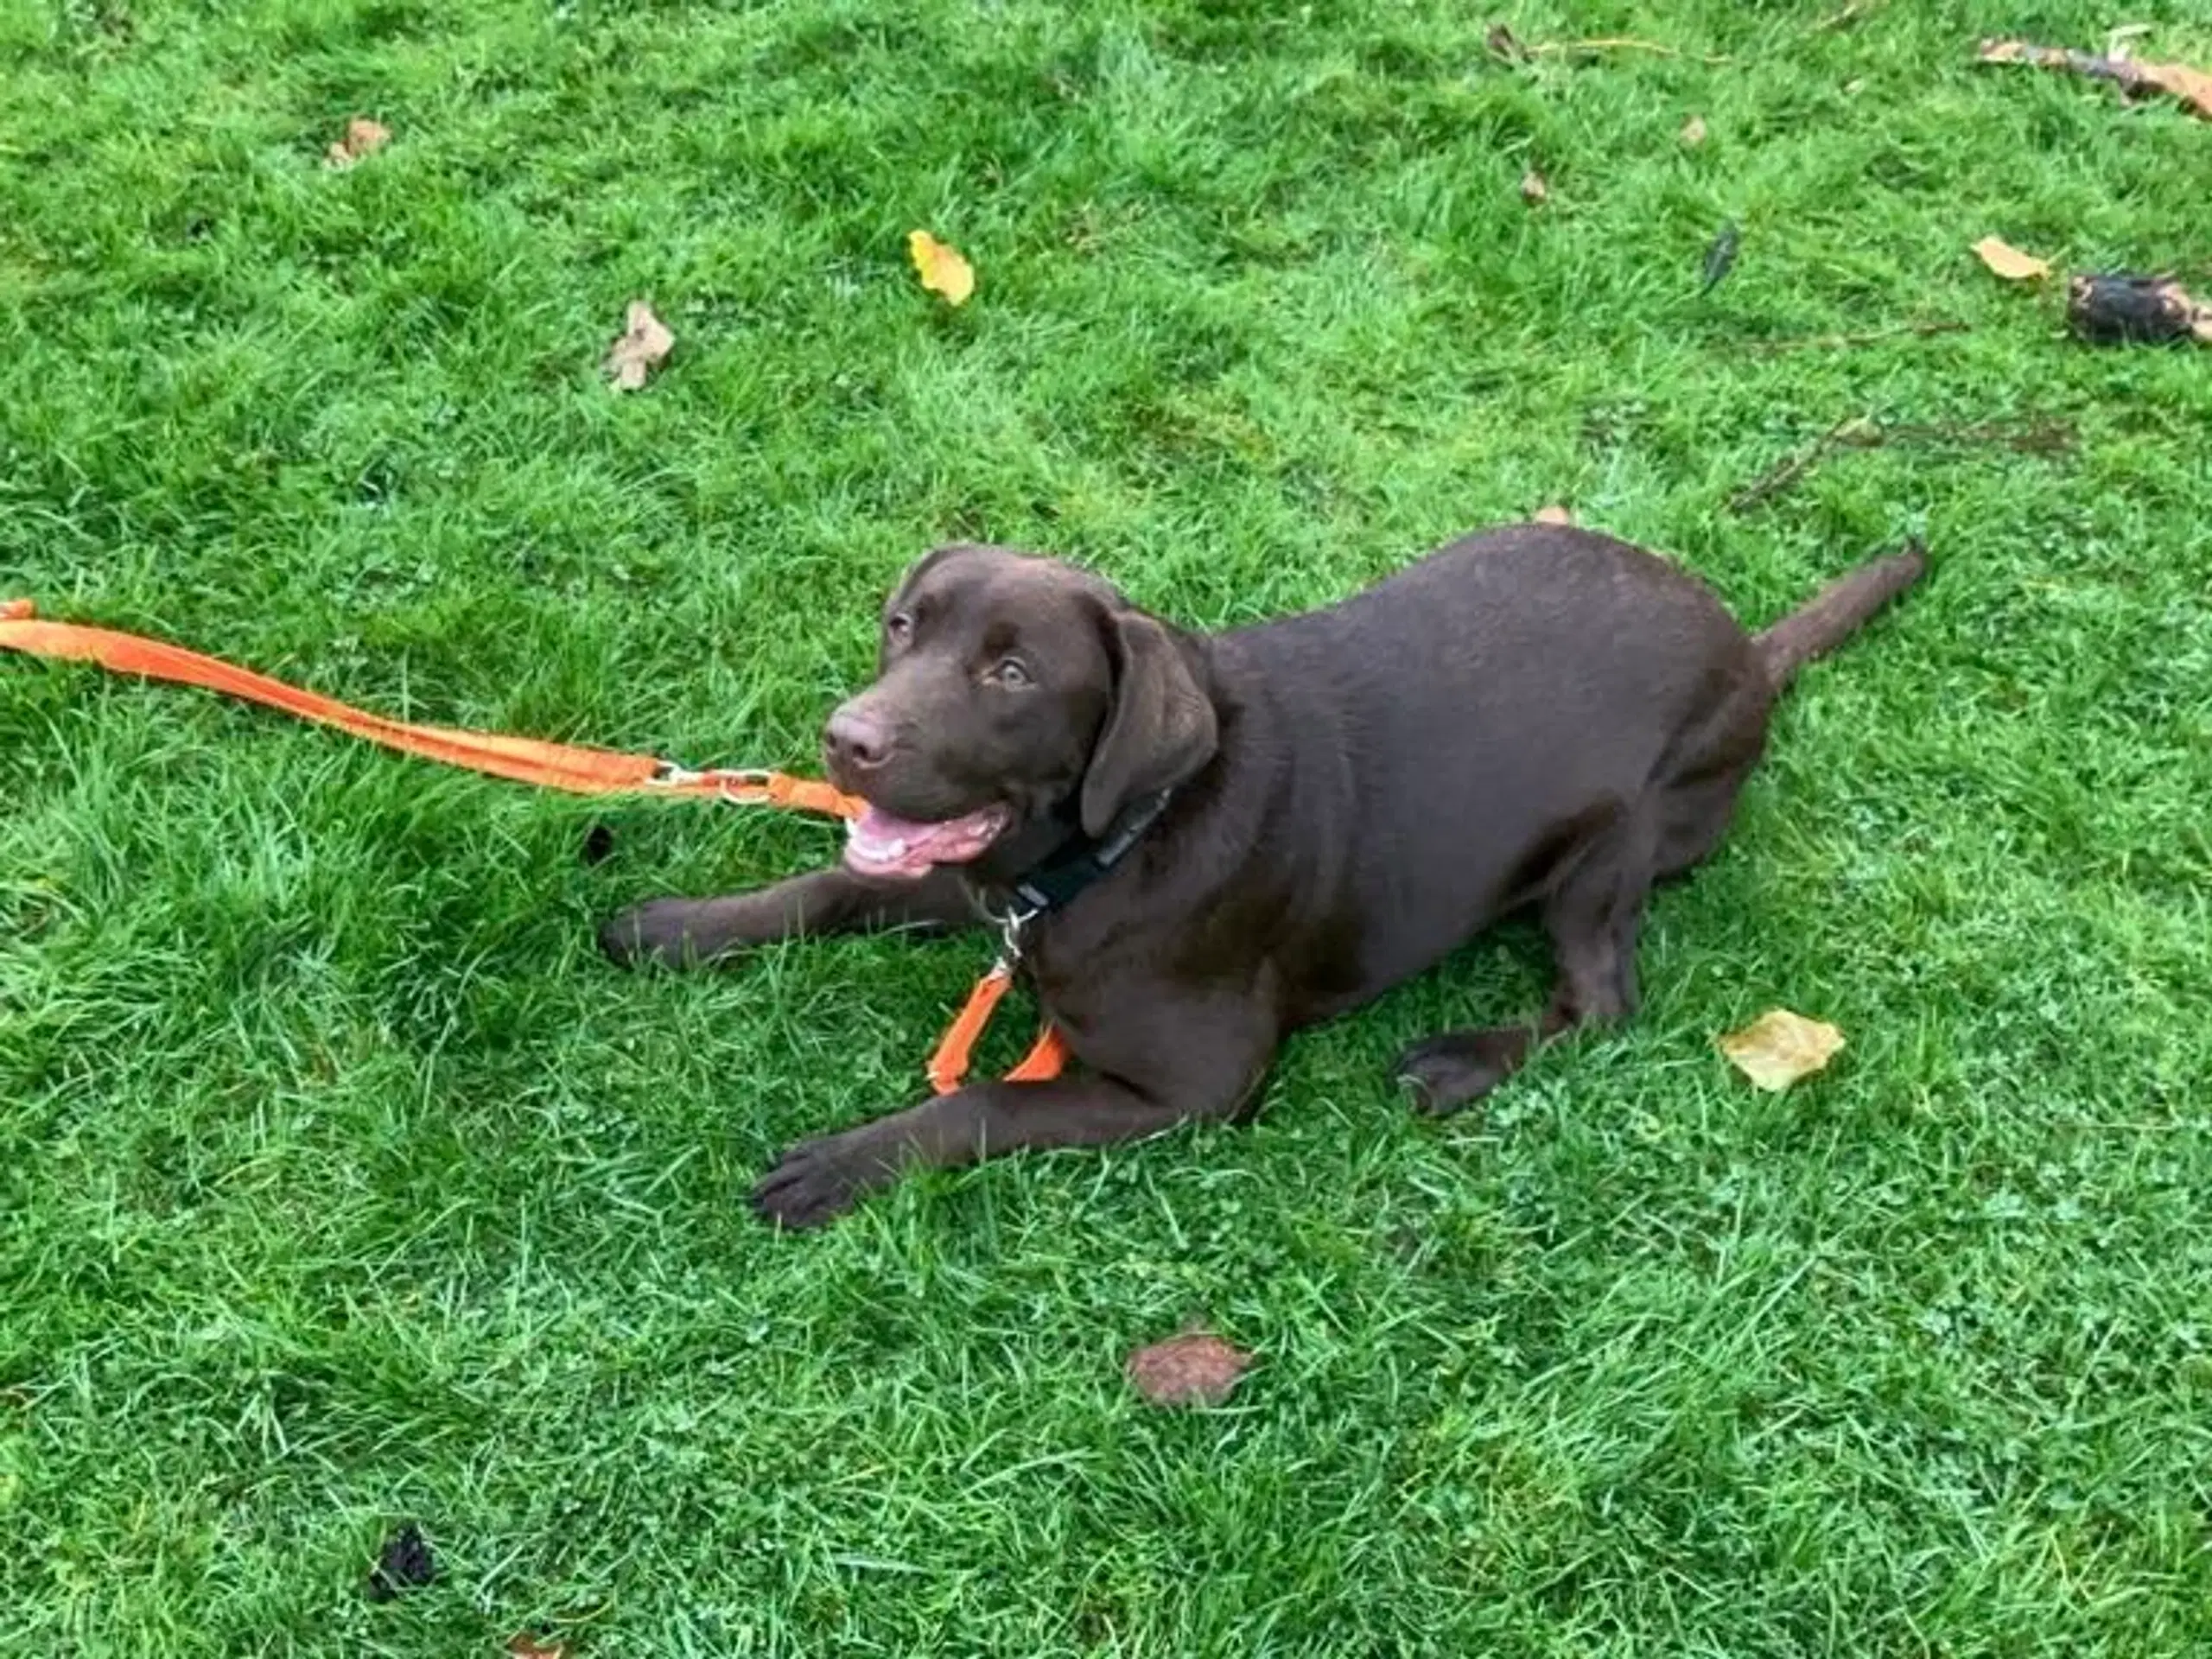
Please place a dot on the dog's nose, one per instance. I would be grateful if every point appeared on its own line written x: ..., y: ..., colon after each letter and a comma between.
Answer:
x: 856, y: 740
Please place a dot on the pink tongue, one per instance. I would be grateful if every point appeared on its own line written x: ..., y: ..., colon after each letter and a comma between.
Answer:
x: 877, y: 843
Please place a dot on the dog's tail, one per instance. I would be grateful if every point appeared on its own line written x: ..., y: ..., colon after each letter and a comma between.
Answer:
x: 1837, y: 612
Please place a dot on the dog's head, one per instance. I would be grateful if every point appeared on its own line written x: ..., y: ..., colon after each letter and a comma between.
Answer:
x: 1011, y: 692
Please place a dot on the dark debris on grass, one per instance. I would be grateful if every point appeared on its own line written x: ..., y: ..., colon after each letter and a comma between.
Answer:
x: 404, y: 1563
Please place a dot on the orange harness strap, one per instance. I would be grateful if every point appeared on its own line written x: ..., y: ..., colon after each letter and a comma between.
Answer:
x: 578, y: 770
x: 948, y: 1067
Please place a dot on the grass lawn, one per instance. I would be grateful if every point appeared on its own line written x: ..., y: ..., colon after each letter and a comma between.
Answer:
x: 341, y: 1183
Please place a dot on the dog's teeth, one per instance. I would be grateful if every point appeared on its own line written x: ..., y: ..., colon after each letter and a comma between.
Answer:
x: 897, y: 849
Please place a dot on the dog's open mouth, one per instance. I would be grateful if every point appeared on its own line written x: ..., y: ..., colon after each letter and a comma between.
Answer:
x: 877, y: 844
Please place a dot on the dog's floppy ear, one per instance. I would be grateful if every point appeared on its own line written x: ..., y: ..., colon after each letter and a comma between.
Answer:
x: 1161, y: 728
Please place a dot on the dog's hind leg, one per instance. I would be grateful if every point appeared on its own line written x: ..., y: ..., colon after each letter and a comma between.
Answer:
x: 1592, y: 911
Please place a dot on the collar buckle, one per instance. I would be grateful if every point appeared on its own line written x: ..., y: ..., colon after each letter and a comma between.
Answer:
x: 1059, y: 879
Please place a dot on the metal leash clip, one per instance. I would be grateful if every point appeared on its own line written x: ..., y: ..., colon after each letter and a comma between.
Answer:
x: 1010, y: 926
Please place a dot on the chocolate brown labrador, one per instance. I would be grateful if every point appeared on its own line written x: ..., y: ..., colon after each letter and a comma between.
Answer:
x: 1209, y: 841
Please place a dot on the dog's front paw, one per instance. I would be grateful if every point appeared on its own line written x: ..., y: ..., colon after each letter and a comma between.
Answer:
x: 654, y: 934
x: 818, y: 1180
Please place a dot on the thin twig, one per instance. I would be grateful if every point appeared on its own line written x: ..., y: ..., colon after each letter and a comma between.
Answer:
x: 1624, y: 43
x: 1903, y: 331
x: 2042, y: 435
x: 1786, y: 471
x: 1850, y: 15
x: 2038, y: 436
x: 2192, y: 87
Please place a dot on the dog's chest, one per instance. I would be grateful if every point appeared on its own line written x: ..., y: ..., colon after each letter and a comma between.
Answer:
x: 1076, y: 976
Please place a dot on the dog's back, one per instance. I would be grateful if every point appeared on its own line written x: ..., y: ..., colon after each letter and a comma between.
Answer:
x: 1481, y: 708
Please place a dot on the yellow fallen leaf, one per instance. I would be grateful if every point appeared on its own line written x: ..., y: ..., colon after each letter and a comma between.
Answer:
x: 364, y: 137
x: 1779, y: 1047
x: 1554, y: 514
x: 1693, y: 132
x: 2009, y: 262
x: 638, y: 352
x: 941, y: 268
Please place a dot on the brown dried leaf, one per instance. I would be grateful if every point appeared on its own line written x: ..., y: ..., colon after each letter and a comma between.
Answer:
x: 1693, y: 132
x: 941, y: 268
x: 2192, y: 87
x: 2009, y: 262
x: 524, y: 1645
x: 364, y: 137
x: 640, y: 349
x: 1554, y: 514
x: 1533, y: 190
x: 1779, y: 1047
x: 1196, y: 1369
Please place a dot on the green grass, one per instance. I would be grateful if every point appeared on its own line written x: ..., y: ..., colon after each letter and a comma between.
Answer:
x: 342, y: 1183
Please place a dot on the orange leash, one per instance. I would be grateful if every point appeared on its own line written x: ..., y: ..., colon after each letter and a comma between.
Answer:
x: 578, y: 770
x: 526, y: 760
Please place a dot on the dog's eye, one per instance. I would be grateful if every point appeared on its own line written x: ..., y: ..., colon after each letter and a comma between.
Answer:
x: 1011, y: 672
x: 899, y: 629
